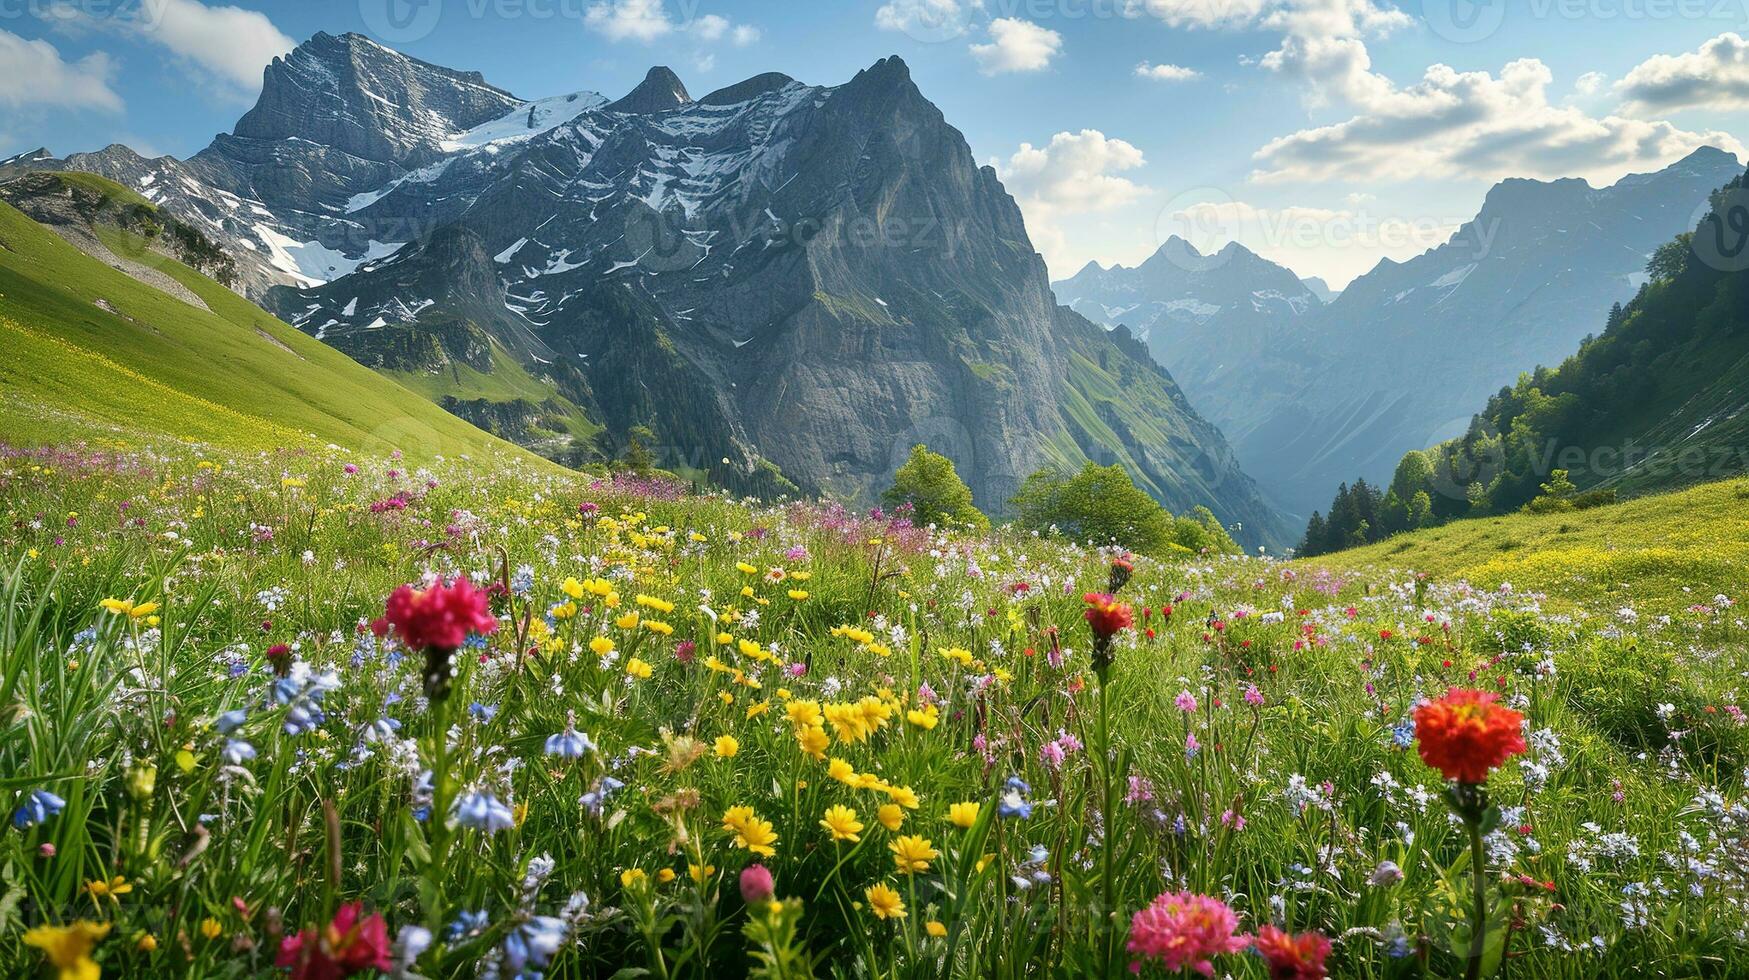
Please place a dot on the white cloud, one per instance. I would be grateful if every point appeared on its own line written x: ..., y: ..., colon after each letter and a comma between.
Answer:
x: 1715, y: 75
x: 1471, y: 124
x: 1476, y: 125
x: 1074, y: 174
x: 1166, y: 73
x: 636, y: 20
x: 1016, y: 45
x: 32, y: 73
x: 224, y: 48
x: 1204, y: 13
x: 232, y: 44
x: 926, y: 20
x: 710, y: 27
x: 646, y: 21
x: 1590, y: 83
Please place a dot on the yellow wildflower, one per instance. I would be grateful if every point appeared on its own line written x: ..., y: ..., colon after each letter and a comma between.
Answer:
x: 913, y: 853
x: 68, y: 948
x: 112, y: 889
x: 885, y: 902
x: 750, y: 831
x: 840, y: 821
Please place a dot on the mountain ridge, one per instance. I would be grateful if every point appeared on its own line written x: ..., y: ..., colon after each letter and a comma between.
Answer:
x: 697, y: 276
x: 1399, y: 358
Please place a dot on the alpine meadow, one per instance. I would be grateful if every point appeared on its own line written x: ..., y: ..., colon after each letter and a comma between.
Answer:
x: 1072, y: 489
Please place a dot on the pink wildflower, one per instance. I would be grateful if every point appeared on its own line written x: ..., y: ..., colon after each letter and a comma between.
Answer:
x: 1184, y: 930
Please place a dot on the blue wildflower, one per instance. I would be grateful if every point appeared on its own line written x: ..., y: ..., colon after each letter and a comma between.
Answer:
x: 1403, y: 734
x: 596, y: 799
x: 483, y: 811
x: 237, y: 751
x: 300, y: 691
x: 534, y: 942
x: 1014, y: 802
x: 570, y: 743
x: 230, y: 721
x: 37, y: 807
x: 468, y: 924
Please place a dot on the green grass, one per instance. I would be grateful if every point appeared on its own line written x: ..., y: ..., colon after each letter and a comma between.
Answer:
x: 1299, y: 692
x: 1667, y: 550
x: 151, y: 363
x: 106, y: 188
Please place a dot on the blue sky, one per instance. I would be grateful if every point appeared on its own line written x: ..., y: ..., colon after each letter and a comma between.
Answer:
x: 1322, y: 133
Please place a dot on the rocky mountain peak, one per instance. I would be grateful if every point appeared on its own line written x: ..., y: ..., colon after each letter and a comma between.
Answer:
x: 29, y: 156
x: 747, y: 90
x: 660, y: 91
x: 355, y: 95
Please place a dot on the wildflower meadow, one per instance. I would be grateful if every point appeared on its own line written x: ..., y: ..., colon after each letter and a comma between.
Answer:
x: 323, y: 715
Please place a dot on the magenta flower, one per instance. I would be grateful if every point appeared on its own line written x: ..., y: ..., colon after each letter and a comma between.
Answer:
x: 756, y: 884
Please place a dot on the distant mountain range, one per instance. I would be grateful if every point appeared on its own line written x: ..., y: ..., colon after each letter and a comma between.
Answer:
x: 778, y: 286
x: 1315, y: 392
x: 1657, y: 401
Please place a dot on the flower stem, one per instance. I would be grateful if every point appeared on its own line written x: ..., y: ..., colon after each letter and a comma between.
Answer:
x: 1108, y: 876
x: 1479, y: 908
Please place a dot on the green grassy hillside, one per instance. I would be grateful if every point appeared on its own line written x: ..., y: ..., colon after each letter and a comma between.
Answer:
x: 94, y: 351
x: 1661, y: 553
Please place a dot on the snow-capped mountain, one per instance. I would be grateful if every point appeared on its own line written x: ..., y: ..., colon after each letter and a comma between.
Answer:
x: 780, y: 285
x: 1214, y: 321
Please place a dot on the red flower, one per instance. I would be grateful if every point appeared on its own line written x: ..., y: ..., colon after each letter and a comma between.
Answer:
x: 343, y: 947
x: 1292, y: 957
x: 1106, y: 615
x: 1122, y: 567
x: 439, y: 618
x: 1466, y: 734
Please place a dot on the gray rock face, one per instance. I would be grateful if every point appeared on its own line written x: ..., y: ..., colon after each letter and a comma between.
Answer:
x: 790, y: 285
x: 660, y: 91
x: 353, y: 95
x: 1402, y: 357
